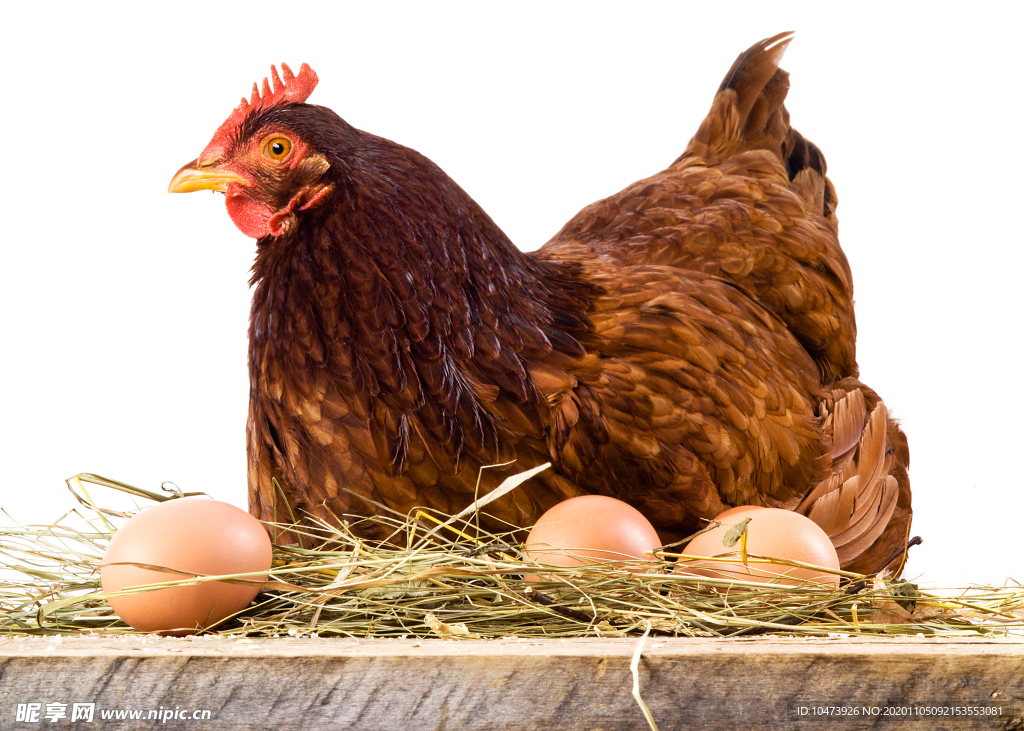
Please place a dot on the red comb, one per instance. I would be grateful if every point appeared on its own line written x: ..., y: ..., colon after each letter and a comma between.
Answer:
x: 295, y: 89
x: 292, y: 89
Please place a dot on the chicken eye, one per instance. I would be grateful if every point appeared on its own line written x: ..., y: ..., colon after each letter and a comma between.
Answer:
x: 278, y: 148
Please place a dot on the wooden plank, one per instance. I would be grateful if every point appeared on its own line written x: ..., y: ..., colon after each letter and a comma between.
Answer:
x: 407, y: 685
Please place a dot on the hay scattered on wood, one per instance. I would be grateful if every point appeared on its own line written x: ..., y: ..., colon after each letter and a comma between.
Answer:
x: 439, y: 576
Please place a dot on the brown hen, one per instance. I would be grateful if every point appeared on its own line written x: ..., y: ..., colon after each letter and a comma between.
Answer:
x: 685, y: 345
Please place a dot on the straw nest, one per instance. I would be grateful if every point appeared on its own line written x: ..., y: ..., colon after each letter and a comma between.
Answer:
x: 442, y: 576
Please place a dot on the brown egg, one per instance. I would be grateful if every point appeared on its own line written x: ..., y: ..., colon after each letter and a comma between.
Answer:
x: 196, y: 535
x: 737, y: 509
x: 591, y: 528
x: 771, y: 532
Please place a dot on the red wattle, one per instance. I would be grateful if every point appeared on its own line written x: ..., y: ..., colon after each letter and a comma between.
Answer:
x: 250, y: 216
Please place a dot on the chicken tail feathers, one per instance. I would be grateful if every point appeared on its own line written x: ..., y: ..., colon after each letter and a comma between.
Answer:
x: 751, y: 73
x: 749, y: 113
x: 864, y: 505
x: 806, y: 167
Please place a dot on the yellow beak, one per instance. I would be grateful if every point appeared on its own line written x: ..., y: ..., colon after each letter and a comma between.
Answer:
x: 194, y: 176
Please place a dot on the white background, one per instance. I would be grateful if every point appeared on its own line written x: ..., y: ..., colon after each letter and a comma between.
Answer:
x: 124, y: 310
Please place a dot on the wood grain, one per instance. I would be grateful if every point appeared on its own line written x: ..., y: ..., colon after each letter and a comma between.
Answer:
x: 314, y: 684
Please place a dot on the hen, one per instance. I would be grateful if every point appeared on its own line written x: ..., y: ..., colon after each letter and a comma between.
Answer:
x: 685, y: 345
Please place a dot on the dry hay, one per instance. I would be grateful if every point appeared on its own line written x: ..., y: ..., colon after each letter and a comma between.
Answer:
x: 442, y: 576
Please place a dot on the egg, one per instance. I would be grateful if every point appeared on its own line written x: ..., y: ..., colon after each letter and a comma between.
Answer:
x: 770, y: 532
x: 737, y: 510
x: 196, y: 535
x: 592, y: 528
